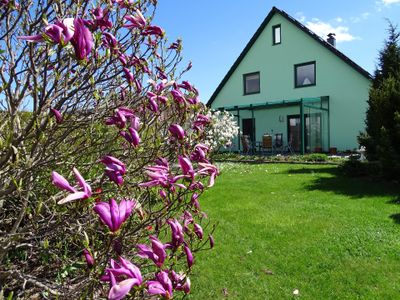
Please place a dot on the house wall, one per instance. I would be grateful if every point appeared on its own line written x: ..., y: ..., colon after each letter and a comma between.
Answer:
x: 347, y: 89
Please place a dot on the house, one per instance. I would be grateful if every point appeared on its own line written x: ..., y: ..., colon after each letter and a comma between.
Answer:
x: 289, y: 81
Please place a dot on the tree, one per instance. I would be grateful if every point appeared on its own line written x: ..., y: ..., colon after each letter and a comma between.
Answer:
x: 101, y: 155
x: 382, y: 136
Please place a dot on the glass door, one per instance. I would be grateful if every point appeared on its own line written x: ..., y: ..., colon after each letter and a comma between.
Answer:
x: 312, y: 133
x: 294, y: 132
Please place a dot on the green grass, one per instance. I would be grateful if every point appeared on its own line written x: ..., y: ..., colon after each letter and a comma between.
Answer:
x: 328, y: 236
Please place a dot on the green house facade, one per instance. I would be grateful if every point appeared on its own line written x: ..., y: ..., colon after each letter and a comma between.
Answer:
x: 289, y: 81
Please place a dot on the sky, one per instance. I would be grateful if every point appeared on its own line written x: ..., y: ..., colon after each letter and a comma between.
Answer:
x: 214, y: 32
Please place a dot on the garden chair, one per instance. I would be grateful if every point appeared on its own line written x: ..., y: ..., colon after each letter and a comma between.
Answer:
x: 266, y: 143
x: 278, y: 143
x: 245, y: 143
x: 289, y: 147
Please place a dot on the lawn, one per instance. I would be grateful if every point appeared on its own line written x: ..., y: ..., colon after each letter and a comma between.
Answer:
x: 286, y: 227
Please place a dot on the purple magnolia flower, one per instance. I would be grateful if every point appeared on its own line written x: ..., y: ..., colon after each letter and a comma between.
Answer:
x: 163, y: 194
x: 31, y: 38
x: 189, y: 256
x: 155, y: 97
x: 60, y: 182
x: 198, y: 231
x: 158, y: 88
x: 177, y: 45
x: 57, y: 115
x: 121, y: 117
x: 136, y: 21
x: 59, y: 33
x: 82, y: 40
x: 193, y: 100
x: 178, y: 96
x: 199, y: 154
x: 180, y: 282
x: 186, y: 166
x: 128, y: 75
x: 114, y: 215
x: 210, y: 237
x: 187, y: 219
x: 201, y: 121
x: 177, y: 131
x: 160, y: 176
x: 177, y: 233
x: 109, y: 41
x: 89, y: 258
x: 101, y: 18
x: 153, y: 30
x: 188, y: 86
x: 161, y: 74
x: 210, y: 170
x: 195, y: 201
x: 162, y: 285
x: 122, y: 277
x: 123, y: 59
x: 138, y: 85
x: 115, y: 169
x: 132, y: 136
x: 68, y: 29
x: 156, y: 253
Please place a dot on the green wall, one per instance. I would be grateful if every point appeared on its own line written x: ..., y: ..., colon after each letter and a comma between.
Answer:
x: 347, y: 89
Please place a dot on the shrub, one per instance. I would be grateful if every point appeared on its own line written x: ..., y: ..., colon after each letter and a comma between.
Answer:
x: 121, y: 136
x: 319, y: 157
x: 222, y: 130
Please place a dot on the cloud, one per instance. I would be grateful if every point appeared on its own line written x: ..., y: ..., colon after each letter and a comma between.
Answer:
x: 322, y: 29
x: 339, y: 19
x: 389, y: 2
x: 300, y: 16
x: 361, y: 17
x: 365, y: 15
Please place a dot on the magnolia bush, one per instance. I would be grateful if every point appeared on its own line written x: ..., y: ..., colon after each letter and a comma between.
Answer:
x: 102, y: 153
x: 222, y: 129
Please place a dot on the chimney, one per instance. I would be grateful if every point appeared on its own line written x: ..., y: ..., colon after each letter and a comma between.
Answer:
x: 331, y: 39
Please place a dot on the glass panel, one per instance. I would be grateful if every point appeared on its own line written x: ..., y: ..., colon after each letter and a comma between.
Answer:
x: 316, y: 127
x: 277, y: 35
x: 252, y: 83
x: 305, y: 75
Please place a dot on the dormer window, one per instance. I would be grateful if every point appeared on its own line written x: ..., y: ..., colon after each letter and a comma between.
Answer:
x: 304, y: 74
x: 251, y: 83
x: 276, y: 34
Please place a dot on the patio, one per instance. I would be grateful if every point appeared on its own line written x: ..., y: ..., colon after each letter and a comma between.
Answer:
x: 307, y: 126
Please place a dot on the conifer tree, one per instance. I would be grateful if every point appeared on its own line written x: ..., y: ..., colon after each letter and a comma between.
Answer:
x: 382, y: 136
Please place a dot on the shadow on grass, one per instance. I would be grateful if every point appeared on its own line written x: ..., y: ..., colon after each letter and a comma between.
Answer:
x: 332, y: 179
x: 308, y: 170
x: 395, y: 218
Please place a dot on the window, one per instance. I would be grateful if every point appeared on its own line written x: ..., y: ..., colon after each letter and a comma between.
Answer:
x: 276, y: 34
x: 251, y: 83
x: 304, y: 74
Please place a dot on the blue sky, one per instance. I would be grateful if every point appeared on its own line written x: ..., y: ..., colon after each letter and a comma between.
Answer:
x: 214, y: 32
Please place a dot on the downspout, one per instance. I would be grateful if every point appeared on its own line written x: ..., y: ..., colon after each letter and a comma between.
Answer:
x: 253, y: 141
x: 302, y: 132
x: 238, y: 116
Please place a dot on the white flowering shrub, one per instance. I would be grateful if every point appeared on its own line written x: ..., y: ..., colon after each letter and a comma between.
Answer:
x: 222, y: 130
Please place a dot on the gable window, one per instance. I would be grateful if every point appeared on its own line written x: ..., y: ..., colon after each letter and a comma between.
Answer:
x: 276, y: 34
x: 304, y: 74
x: 251, y: 83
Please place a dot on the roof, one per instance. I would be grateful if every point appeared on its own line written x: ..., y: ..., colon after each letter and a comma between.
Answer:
x: 264, y: 24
